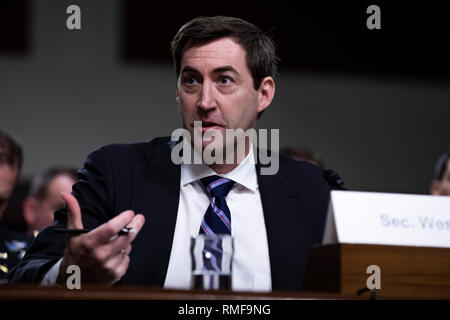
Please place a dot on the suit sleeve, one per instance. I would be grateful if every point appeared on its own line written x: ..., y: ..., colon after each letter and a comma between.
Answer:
x: 94, y: 191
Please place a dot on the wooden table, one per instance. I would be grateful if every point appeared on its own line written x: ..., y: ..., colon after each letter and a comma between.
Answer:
x: 34, y: 292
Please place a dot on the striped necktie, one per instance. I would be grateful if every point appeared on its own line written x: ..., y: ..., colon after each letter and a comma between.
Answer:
x: 217, y: 219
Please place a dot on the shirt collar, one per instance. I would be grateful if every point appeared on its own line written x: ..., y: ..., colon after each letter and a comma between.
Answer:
x: 244, y: 174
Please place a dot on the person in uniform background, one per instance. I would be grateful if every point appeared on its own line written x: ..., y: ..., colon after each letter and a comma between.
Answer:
x: 440, y: 186
x: 13, y: 244
x: 44, y: 196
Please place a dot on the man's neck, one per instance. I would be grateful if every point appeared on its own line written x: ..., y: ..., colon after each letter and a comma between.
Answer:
x: 225, y: 168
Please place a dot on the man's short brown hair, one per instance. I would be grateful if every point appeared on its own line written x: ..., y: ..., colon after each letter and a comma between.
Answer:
x: 40, y: 183
x: 259, y: 48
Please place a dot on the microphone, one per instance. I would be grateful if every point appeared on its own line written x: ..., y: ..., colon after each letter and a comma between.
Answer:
x: 334, y: 180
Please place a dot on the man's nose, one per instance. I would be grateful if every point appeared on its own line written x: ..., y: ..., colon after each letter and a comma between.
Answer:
x: 207, y: 98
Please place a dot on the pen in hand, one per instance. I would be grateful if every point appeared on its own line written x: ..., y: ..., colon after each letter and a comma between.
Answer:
x: 125, y: 230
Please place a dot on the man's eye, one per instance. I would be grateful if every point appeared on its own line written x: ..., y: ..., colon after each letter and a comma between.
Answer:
x: 225, y: 80
x: 190, y: 80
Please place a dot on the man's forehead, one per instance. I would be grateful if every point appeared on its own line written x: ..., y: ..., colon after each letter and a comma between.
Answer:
x: 60, y: 181
x: 223, y: 51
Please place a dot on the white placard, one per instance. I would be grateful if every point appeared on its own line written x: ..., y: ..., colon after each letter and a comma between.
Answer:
x: 388, y: 219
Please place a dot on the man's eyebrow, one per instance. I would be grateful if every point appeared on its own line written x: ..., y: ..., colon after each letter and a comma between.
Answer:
x: 225, y: 69
x: 216, y: 70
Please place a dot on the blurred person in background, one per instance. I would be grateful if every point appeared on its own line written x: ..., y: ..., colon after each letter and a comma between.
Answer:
x: 306, y: 154
x: 303, y: 154
x: 440, y: 186
x: 44, y: 196
x: 13, y: 244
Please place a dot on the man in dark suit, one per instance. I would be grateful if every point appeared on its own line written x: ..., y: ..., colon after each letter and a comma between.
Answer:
x: 225, y: 69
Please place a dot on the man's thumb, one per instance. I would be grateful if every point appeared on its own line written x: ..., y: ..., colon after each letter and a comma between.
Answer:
x: 73, y: 211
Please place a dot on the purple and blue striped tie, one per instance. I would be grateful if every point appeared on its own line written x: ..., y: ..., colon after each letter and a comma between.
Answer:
x: 217, y: 219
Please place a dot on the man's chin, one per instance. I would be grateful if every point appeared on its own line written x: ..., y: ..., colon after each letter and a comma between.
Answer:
x: 211, y: 143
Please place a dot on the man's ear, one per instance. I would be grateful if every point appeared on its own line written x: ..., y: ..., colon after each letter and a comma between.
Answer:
x: 266, y: 92
x: 434, y: 187
x: 29, y: 208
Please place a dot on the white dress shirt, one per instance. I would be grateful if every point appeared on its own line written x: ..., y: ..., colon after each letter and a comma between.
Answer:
x: 251, y: 265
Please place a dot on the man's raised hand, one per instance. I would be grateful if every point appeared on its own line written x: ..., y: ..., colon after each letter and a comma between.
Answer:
x: 101, y: 254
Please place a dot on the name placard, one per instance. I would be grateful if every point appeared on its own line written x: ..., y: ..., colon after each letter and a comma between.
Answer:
x: 388, y: 219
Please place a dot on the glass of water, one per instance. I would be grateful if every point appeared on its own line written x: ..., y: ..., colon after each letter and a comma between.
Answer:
x: 211, y: 262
